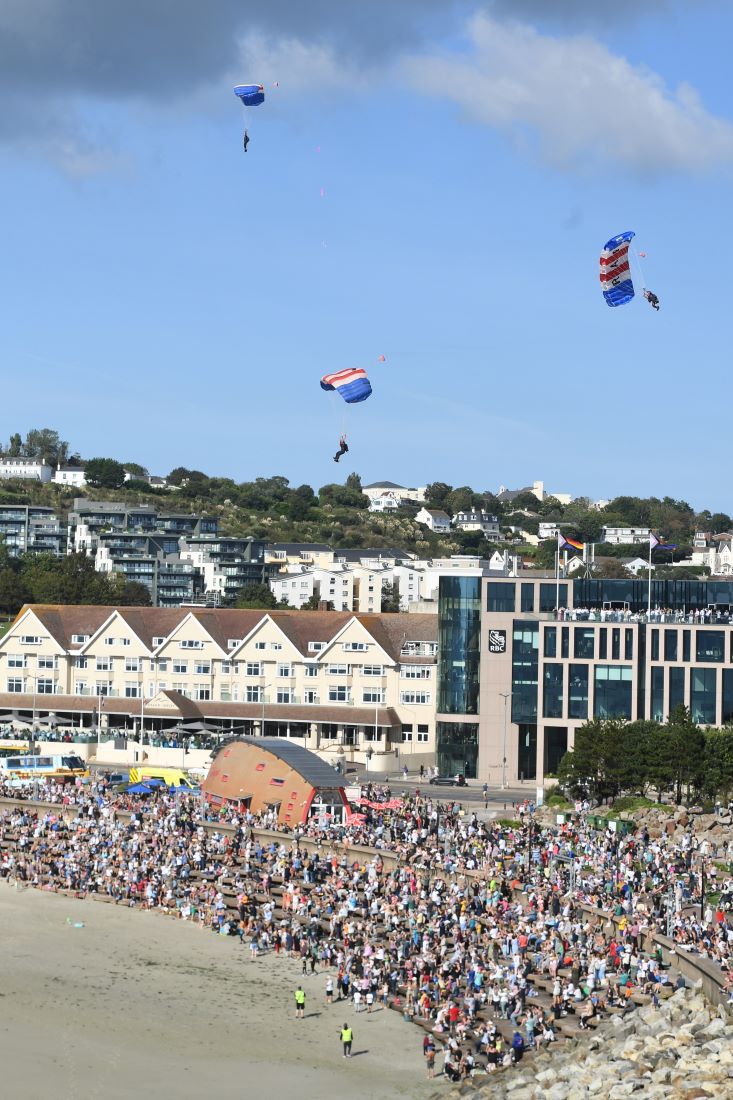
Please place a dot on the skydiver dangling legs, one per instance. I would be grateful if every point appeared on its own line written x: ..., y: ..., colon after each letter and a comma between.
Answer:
x: 245, y: 140
x: 651, y: 298
x: 343, y: 448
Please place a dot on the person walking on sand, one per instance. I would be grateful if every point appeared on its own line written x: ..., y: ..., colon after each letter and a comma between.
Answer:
x: 347, y: 1038
x: 329, y: 990
x: 299, y: 1003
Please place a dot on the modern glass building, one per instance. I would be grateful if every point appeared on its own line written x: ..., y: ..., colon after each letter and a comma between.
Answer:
x: 459, y: 648
x: 518, y: 676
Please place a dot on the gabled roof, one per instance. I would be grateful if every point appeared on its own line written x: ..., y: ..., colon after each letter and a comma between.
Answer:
x: 383, y: 485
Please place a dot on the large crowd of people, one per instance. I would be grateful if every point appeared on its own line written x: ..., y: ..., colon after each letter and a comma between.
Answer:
x: 462, y: 930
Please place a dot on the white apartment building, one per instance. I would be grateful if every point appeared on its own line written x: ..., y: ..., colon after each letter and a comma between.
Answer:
x: 625, y: 535
x: 295, y: 555
x: 716, y: 553
x: 28, y: 469
x: 359, y: 686
x: 71, y: 476
x: 478, y: 521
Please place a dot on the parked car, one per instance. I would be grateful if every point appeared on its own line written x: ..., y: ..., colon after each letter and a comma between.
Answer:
x: 448, y: 781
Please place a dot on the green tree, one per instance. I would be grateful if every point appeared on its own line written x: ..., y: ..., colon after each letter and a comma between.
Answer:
x: 15, y: 445
x: 134, y: 469
x: 105, y: 473
x: 255, y: 595
x: 718, y: 767
x: 13, y: 592
x: 46, y: 444
x: 133, y: 594
x: 685, y: 751
x: 436, y: 494
x: 390, y: 597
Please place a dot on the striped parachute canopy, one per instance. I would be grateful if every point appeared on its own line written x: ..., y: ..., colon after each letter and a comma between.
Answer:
x: 352, y: 384
x: 251, y: 95
x: 615, y: 271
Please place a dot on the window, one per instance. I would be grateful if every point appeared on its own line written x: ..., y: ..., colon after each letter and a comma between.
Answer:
x: 102, y: 688
x: 657, y: 702
x: 727, y: 715
x: 254, y: 694
x: 226, y: 668
x: 552, y: 691
x: 407, y: 733
x: 565, y: 642
x: 284, y: 695
x: 525, y: 672
x: 551, y: 641
x: 79, y: 639
x: 316, y: 647
x: 710, y: 646
x: 527, y: 597
x: 201, y: 691
x: 180, y: 668
x: 423, y: 733
x: 415, y: 697
x: 123, y: 641
x: 372, y: 695
x: 702, y: 695
x: 132, y: 664
x: 677, y: 688
x: 260, y: 645
x: 48, y: 662
x: 30, y: 639
x: 80, y: 687
x: 202, y: 668
x: 253, y: 668
x: 339, y: 693
x: 628, y: 644
x: 612, y: 691
x: 578, y: 693
x: 162, y: 664
x: 338, y: 670
x: 132, y: 690
x: 16, y: 660
x: 285, y: 671
x: 109, y: 641
x: 276, y: 645
x: 45, y: 687
x: 104, y: 664
x: 685, y: 645
x: 603, y: 644
x: 354, y: 647
x: 15, y: 685
x: 552, y: 596
x: 225, y: 695
x: 191, y: 643
x: 158, y: 640
x: 584, y: 642
x: 670, y: 645
x: 500, y: 596
x: 310, y: 696
x: 616, y: 644
x: 372, y: 670
x: 416, y: 672
x: 232, y: 643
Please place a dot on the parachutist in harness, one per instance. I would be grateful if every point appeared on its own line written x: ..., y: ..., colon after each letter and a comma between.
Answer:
x: 651, y: 298
x: 245, y: 140
x: 343, y: 448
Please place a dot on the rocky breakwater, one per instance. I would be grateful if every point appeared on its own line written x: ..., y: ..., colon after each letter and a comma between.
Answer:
x: 681, y: 1051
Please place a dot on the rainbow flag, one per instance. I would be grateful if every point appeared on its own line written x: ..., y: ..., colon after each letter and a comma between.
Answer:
x: 564, y: 543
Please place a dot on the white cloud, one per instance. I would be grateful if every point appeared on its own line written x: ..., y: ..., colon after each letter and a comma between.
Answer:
x: 295, y: 64
x: 583, y: 103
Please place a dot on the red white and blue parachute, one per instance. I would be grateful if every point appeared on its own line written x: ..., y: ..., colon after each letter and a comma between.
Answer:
x: 615, y: 271
x: 352, y: 384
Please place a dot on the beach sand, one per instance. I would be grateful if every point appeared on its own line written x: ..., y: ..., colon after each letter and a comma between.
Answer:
x: 138, y: 1001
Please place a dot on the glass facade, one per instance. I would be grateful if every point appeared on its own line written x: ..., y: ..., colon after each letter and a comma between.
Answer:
x: 612, y: 695
x: 687, y: 595
x: 551, y: 641
x: 657, y: 713
x: 500, y: 596
x: 578, y: 702
x: 457, y: 748
x: 584, y: 642
x: 459, y: 649
x: 702, y: 695
x: 676, y: 688
x: 552, y: 691
x: 670, y: 645
x: 525, y: 671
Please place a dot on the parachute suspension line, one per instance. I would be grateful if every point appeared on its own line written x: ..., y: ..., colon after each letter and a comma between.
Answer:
x: 640, y: 268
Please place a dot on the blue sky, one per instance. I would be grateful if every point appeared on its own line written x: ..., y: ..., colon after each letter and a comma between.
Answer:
x: 172, y: 301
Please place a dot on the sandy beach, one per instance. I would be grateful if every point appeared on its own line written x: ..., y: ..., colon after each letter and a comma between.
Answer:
x: 136, y: 1000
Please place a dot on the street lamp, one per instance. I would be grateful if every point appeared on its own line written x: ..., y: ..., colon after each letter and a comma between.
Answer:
x: 506, y: 696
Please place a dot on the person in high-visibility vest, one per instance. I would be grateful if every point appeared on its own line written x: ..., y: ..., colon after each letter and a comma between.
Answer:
x: 299, y: 1003
x: 347, y: 1038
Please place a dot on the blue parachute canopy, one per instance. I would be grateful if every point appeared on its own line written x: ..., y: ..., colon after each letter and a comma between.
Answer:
x: 251, y: 95
x: 352, y: 384
x: 615, y: 271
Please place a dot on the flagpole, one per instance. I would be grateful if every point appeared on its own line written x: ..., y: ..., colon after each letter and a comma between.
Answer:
x: 557, y: 577
x: 649, y: 588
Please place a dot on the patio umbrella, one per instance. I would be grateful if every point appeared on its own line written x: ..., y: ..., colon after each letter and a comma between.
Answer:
x: 139, y: 788
x: 196, y: 726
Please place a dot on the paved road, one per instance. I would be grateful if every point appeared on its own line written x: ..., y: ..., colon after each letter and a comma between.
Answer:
x: 470, y: 794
